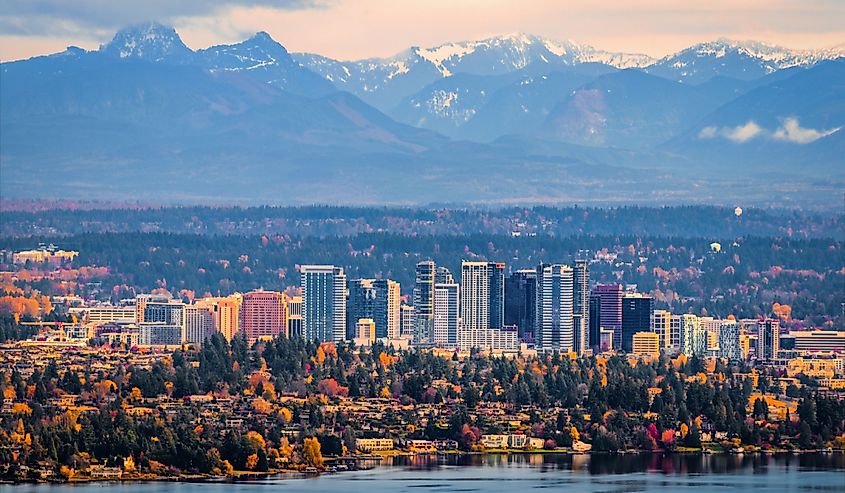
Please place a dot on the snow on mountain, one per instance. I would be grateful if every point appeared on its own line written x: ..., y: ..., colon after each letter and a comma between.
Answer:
x: 512, y: 52
x: 265, y: 59
x: 150, y: 41
x: 384, y: 82
x: 256, y: 52
x: 744, y: 60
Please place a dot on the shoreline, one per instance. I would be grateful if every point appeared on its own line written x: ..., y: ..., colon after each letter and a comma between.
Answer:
x: 247, y: 476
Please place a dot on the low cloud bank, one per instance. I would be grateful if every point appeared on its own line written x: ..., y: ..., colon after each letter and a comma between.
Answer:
x: 790, y: 130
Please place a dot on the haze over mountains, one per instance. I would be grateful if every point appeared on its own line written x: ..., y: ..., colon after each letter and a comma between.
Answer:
x: 514, y: 118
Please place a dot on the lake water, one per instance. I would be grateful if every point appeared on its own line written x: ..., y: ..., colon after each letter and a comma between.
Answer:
x: 516, y: 473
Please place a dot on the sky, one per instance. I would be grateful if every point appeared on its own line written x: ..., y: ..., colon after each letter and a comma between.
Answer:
x: 354, y: 29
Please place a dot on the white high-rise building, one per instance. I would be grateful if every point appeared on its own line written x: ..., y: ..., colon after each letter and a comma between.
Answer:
x: 323, y: 302
x: 199, y: 322
x: 482, y: 302
x: 661, y: 321
x: 475, y: 296
x: 446, y: 314
x: 693, y: 335
x: 386, y: 308
x: 555, y: 330
x: 406, y: 321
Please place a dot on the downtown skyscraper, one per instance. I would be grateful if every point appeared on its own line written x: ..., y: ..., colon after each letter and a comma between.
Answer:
x: 555, y: 325
x: 263, y: 314
x: 637, y: 314
x: 521, y: 302
x: 482, y: 295
x: 482, y: 302
x: 424, y: 303
x: 323, y: 302
x: 375, y: 299
x: 581, y: 305
x: 610, y: 310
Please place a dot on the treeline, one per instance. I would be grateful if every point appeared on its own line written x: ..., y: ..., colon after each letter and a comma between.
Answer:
x: 688, y: 221
x: 745, y: 278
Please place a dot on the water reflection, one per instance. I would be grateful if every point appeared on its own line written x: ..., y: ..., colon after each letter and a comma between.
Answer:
x: 605, y: 464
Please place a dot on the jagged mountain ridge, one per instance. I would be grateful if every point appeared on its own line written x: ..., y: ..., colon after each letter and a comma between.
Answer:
x: 146, y: 114
x: 745, y: 60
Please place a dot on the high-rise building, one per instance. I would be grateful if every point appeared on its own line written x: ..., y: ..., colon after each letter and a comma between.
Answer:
x: 768, y: 339
x: 581, y: 305
x: 521, y: 302
x: 711, y: 327
x: 497, y: 295
x: 263, y: 315
x: 360, y: 301
x: 226, y: 315
x: 595, y: 324
x: 323, y: 302
x: 611, y: 309
x: 482, y: 296
x: 661, y: 320
x: 729, y: 344
x: 158, y: 309
x: 482, y: 300
x: 406, y: 321
x: 446, y: 314
x: 637, y: 310
x: 424, y: 303
x: 554, y: 328
x: 645, y: 343
x: 693, y: 336
x: 386, y: 308
x: 199, y: 322
x: 295, y: 317
x: 443, y: 276
x: 376, y: 299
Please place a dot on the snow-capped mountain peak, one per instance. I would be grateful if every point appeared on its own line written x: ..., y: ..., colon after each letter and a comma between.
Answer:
x: 149, y: 41
x: 738, y: 59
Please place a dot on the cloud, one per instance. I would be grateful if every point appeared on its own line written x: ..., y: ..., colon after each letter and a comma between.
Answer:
x: 72, y: 17
x: 791, y: 131
x: 708, y: 133
x: 742, y: 133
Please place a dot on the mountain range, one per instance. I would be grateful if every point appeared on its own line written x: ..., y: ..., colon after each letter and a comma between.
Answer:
x: 515, y: 118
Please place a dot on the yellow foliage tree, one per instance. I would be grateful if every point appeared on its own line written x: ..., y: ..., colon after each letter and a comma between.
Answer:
x: 285, y: 415
x: 385, y: 392
x: 311, y: 452
x: 684, y: 430
x: 285, y: 450
x: 66, y: 472
x: 573, y: 432
x: 21, y: 408
x: 256, y: 440
x: 251, y: 461
x: 261, y: 406
x: 320, y: 357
